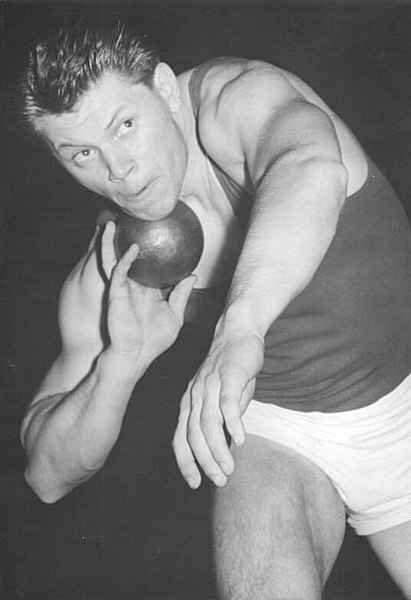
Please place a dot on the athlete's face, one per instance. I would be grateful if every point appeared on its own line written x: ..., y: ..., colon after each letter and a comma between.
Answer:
x: 122, y: 140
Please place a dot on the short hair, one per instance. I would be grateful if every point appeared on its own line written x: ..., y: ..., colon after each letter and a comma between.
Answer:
x: 62, y: 66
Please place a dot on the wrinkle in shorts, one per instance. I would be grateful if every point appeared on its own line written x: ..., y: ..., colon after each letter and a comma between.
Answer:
x: 365, y: 452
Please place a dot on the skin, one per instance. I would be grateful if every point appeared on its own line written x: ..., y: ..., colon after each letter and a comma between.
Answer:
x: 140, y: 147
x: 128, y: 151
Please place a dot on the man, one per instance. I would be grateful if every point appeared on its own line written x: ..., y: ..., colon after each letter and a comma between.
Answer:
x: 308, y: 366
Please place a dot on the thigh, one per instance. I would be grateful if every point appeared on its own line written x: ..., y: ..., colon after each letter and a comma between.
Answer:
x: 278, y: 525
x: 393, y: 547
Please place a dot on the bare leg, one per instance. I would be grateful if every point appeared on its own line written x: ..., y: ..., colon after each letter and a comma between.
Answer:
x: 278, y: 526
x: 393, y: 548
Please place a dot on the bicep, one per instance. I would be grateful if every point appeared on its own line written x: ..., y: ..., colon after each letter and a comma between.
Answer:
x: 297, y: 133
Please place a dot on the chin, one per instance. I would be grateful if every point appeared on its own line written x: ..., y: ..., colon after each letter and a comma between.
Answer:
x: 148, y: 215
x: 148, y: 208
x: 159, y: 215
x: 161, y: 212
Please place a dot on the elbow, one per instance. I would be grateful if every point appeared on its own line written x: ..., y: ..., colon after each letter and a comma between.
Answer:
x: 38, y: 473
x: 46, y: 490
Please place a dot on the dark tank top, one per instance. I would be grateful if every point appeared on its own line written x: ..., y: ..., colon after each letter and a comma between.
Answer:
x: 344, y: 342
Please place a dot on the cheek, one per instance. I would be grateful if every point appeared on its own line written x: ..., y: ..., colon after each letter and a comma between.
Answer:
x: 90, y: 178
x: 181, y: 155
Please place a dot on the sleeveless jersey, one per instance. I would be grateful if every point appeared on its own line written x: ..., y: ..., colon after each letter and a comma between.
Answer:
x: 344, y: 342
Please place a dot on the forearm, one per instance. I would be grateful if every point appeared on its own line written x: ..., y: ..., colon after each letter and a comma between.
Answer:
x: 68, y: 437
x: 292, y: 225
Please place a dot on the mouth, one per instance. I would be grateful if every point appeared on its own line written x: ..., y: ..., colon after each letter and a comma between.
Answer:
x: 142, y: 204
x: 149, y: 203
x: 132, y: 202
x: 138, y: 195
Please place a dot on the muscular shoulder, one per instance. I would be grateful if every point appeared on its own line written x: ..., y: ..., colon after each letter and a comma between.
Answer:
x: 252, y: 112
x: 238, y: 95
x: 241, y: 80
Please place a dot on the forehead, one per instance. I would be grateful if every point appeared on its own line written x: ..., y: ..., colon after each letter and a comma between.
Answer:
x: 110, y: 96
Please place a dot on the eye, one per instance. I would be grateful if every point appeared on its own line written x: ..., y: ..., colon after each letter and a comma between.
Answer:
x: 126, y: 125
x: 83, y: 155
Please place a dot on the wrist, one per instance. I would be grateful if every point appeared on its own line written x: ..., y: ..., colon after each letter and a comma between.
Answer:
x: 240, y: 317
x: 130, y: 365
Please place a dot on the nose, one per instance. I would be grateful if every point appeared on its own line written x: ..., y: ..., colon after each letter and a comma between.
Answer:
x: 119, y: 165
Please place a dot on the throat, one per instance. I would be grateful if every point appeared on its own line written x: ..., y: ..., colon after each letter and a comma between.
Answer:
x: 223, y: 236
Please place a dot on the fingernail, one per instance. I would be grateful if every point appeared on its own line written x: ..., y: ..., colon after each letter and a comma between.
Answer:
x: 192, y: 482
x: 219, y: 480
x: 228, y: 469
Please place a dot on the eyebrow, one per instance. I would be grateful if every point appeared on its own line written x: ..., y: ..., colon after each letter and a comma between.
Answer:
x: 115, y: 116
x: 65, y: 145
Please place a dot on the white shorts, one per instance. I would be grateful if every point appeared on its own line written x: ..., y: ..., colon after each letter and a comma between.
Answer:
x: 366, y: 453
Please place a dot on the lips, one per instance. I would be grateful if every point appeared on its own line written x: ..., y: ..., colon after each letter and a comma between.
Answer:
x: 137, y: 195
x: 140, y: 204
x: 149, y: 203
x: 132, y: 200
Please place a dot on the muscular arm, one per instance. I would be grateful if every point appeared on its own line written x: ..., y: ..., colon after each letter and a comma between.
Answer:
x: 68, y: 436
x: 76, y: 416
x: 290, y: 150
x: 293, y: 158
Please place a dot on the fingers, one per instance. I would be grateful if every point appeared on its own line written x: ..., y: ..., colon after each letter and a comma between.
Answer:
x: 190, y: 447
x: 179, y: 296
x: 92, y: 243
x: 108, y: 255
x: 230, y: 408
x: 184, y: 457
x: 200, y: 436
x: 116, y: 271
x: 206, y: 428
x: 120, y: 272
x: 235, y: 394
x: 208, y: 444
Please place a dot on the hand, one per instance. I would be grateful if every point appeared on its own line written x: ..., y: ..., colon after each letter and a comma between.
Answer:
x: 218, y: 395
x: 140, y: 321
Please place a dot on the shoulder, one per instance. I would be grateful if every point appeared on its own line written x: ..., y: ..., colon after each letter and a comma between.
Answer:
x: 232, y: 83
x: 246, y: 105
x: 239, y: 102
x: 238, y: 94
x: 229, y: 74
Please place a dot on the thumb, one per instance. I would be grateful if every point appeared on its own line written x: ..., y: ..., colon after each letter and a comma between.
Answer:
x: 179, y: 296
x: 108, y: 255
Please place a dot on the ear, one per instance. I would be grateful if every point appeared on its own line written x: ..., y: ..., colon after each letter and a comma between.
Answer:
x: 165, y: 82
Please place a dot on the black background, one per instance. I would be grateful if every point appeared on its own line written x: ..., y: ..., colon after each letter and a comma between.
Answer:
x: 135, y: 531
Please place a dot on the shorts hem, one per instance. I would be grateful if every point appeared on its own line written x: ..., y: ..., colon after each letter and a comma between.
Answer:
x: 379, y: 525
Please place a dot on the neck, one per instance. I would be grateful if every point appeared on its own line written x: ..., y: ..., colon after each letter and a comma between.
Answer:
x: 188, y: 126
